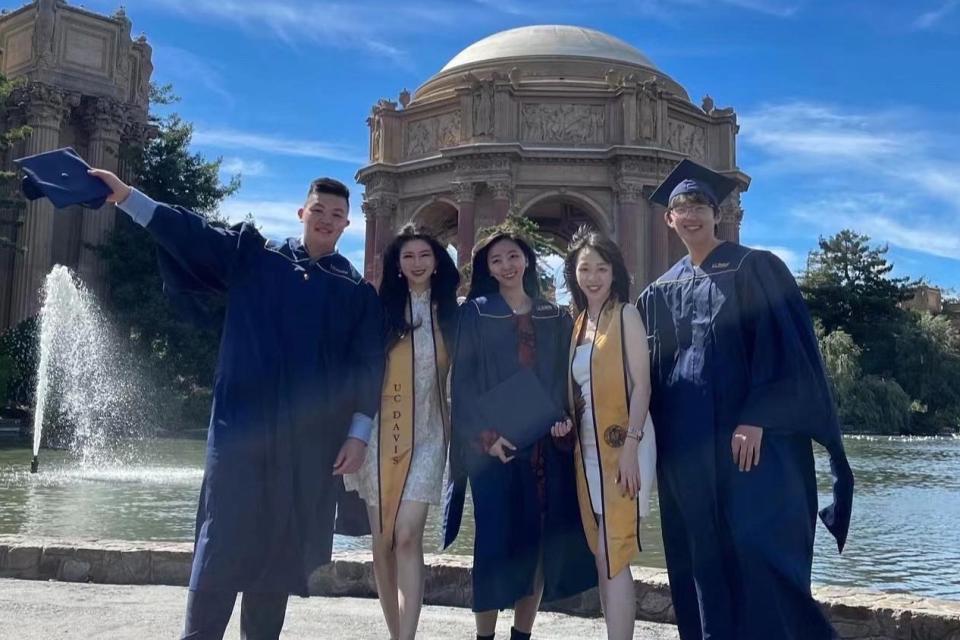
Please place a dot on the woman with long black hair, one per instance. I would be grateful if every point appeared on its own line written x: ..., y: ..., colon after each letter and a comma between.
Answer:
x: 402, y: 474
x: 529, y: 543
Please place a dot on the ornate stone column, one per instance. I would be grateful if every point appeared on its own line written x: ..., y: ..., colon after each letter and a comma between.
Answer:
x: 380, y: 200
x: 633, y: 233
x: 502, y: 191
x: 370, y: 264
x: 731, y: 215
x: 660, y: 240
x: 465, y: 195
x: 136, y: 133
x: 46, y: 108
x: 382, y: 208
x: 103, y: 119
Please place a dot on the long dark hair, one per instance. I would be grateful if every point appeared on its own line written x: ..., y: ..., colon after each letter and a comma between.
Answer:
x: 395, y: 290
x: 482, y: 282
x: 586, y: 238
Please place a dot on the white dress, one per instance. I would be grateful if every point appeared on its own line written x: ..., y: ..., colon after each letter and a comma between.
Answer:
x: 646, y: 452
x: 425, y: 477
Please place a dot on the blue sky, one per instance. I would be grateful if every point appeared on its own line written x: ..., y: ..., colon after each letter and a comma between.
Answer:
x: 848, y: 109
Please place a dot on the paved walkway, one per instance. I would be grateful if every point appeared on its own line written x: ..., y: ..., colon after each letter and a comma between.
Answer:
x: 35, y: 610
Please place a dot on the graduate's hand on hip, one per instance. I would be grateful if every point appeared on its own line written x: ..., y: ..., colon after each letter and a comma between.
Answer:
x: 746, y: 446
x: 350, y: 457
x: 501, y: 449
x: 561, y: 428
x: 628, y: 470
x: 121, y: 190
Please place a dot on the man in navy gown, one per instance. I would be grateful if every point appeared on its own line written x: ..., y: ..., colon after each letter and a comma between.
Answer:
x: 739, y: 394
x: 296, y: 387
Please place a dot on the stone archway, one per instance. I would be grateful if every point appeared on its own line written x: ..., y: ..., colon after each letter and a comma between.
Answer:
x: 439, y: 217
x: 560, y: 214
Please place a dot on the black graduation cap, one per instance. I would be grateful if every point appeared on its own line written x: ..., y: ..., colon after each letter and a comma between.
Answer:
x: 61, y: 176
x: 519, y: 409
x: 690, y: 177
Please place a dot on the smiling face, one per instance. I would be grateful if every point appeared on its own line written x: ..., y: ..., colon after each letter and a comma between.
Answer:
x: 507, y: 264
x: 594, y: 276
x: 693, y: 218
x: 324, y: 218
x: 417, y: 263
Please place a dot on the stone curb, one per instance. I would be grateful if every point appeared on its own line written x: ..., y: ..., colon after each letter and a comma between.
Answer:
x: 857, y: 614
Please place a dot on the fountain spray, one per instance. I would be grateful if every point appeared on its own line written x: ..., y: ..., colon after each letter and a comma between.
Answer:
x: 84, y: 379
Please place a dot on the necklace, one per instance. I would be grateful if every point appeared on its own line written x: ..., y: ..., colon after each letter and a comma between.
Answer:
x: 520, y: 308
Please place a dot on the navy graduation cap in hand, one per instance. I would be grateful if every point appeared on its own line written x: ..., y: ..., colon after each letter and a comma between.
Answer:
x: 61, y: 176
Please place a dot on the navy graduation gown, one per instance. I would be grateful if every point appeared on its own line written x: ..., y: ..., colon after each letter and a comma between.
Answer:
x: 301, y: 352
x: 511, y: 536
x: 732, y: 343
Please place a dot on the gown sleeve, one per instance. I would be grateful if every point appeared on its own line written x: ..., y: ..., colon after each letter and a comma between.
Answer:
x: 466, y: 385
x: 367, y: 354
x: 197, y: 254
x: 465, y: 424
x: 788, y: 390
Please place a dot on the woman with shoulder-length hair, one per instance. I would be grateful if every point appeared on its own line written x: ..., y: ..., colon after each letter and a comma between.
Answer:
x: 609, y: 384
x: 402, y: 473
x: 507, y: 393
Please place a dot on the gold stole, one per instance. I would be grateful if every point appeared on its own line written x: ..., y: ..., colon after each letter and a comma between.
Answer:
x: 396, y: 434
x: 611, y: 417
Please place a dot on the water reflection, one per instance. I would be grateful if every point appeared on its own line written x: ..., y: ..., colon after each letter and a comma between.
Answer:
x: 906, y: 509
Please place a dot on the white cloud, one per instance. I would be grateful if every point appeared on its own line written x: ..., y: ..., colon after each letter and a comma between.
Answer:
x: 941, y: 180
x: 224, y: 138
x: 246, y: 168
x: 881, y: 173
x: 802, y: 130
x: 769, y: 7
x: 931, y: 19
x: 885, y: 218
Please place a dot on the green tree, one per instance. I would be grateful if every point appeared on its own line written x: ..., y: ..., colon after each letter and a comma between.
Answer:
x: 18, y: 362
x: 927, y: 365
x: 875, y: 405
x: 847, y: 284
x: 841, y: 355
x: 182, y: 355
x: 885, y: 363
x: 865, y: 404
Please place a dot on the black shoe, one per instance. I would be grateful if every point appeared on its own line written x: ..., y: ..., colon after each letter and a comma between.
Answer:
x: 518, y: 635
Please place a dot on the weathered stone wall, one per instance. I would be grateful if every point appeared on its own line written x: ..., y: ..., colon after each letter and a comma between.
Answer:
x: 857, y: 614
